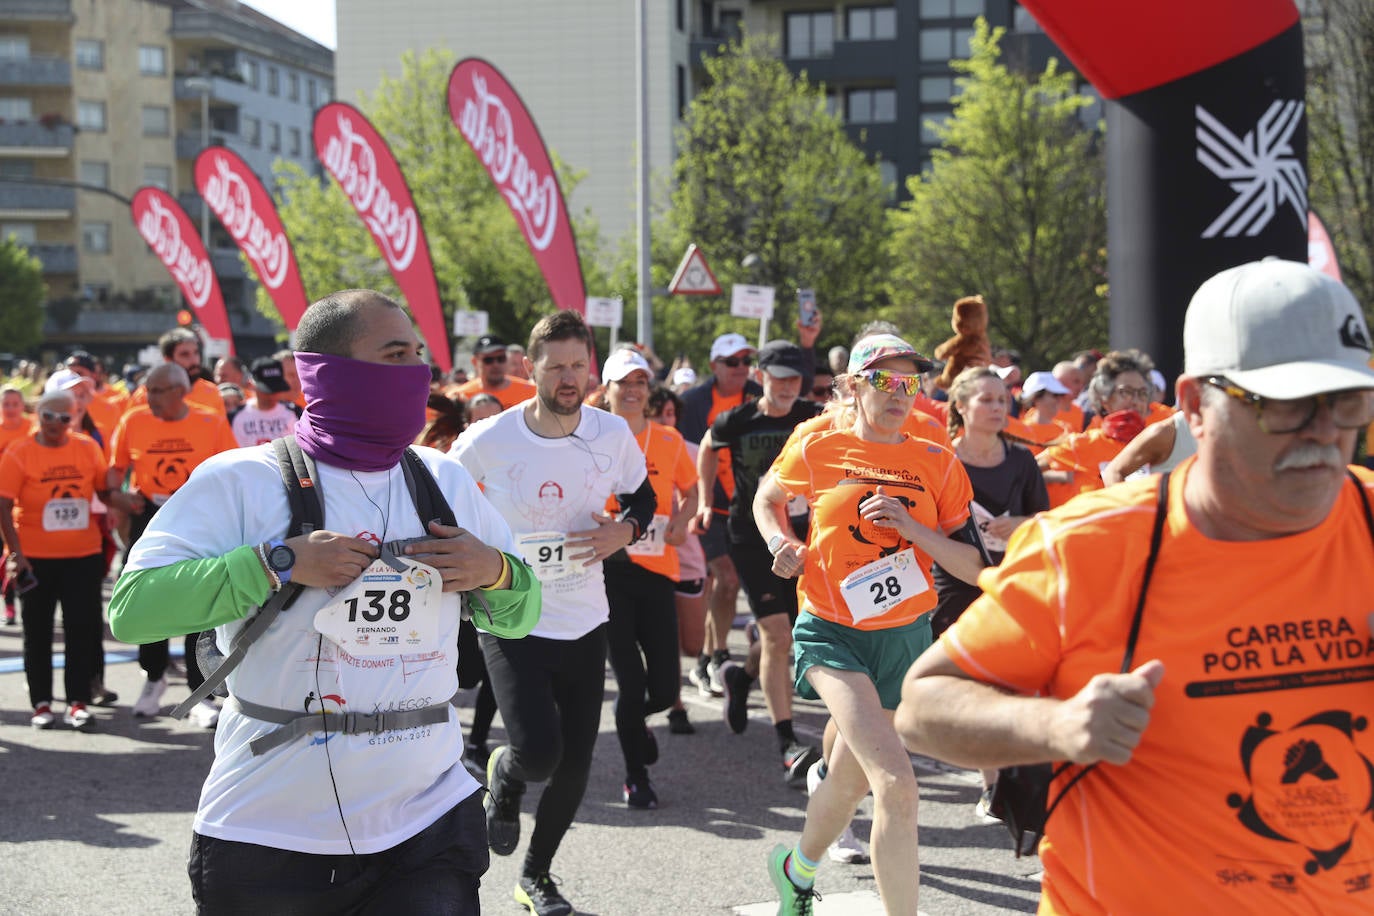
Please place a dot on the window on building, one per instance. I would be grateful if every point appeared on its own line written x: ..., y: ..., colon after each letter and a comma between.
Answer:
x: 871, y: 23
x: 929, y: 125
x: 251, y: 129
x: 947, y: 9
x: 940, y: 44
x: 16, y: 168
x: 273, y: 137
x: 157, y: 120
x: 95, y: 173
x: 96, y: 292
x: 871, y: 106
x: 22, y: 233
x: 311, y: 90
x: 152, y: 60
x: 936, y: 90
x: 681, y: 92
x: 832, y: 105
x: 293, y: 87
x: 159, y: 176
x: 888, y: 171
x: 293, y: 136
x: 90, y: 115
x: 810, y: 34
x: 326, y: 93
x: 13, y: 108
x: 95, y: 238
x: 970, y: 8
x: 90, y: 54
x: 248, y: 69
x: 273, y: 81
x: 14, y: 47
x: 1023, y: 21
x: 681, y: 15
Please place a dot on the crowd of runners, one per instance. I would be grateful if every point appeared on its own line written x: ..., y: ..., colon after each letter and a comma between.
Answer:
x: 346, y: 539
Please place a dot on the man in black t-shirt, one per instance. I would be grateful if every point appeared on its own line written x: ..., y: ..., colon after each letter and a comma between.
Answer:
x: 754, y: 434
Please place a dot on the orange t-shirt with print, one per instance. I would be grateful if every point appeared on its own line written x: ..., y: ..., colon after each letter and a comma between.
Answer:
x: 163, y: 453
x: 933, y: 408
x: 1251, y: 786
x: 917, y: 425
x: 203, y: 393
x: 1034, y: 436
x: 1084, y: 454
x: 834, y: 471
x: 671, y: 470
x: 105, y: 415
x: 52, y: 490
x: 517, y: 392
x: 1070, y: 419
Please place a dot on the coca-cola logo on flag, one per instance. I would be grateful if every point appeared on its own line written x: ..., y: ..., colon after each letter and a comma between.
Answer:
x: 361, y: 162
x: 495, y: 123
x: 238, y: 198
x: 167, y: 229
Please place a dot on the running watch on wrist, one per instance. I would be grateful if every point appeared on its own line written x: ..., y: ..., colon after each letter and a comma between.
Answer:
x: 775, y: 543
x: 280, y: 559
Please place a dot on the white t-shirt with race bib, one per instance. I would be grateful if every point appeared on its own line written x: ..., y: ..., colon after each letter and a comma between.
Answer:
x: 394, y: 784
x: 547, y: 488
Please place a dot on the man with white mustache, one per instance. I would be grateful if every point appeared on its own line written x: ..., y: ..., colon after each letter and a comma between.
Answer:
x: 1226, y: 686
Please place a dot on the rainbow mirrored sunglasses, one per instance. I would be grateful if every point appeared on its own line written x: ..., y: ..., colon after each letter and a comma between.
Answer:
x: 891, y: 382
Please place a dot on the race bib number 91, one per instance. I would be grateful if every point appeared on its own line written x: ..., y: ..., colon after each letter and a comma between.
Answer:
x: 651, y: 545
x: 385, y: 612
x: 547, y: 554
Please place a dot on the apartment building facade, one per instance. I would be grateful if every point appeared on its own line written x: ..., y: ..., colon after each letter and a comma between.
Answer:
x: 101, y: 97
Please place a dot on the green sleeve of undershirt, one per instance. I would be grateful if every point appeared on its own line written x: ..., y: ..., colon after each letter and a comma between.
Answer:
x: 513, y: 611
x: 186, y: 597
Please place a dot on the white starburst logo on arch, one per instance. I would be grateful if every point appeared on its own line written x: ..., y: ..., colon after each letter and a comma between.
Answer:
x: 1260, y: 167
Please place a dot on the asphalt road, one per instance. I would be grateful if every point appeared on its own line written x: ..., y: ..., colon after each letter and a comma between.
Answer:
x: 99, y: 822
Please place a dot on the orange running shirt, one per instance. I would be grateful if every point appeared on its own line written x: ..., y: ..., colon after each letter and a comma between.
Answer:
x: 1070, y: 419
x: 517, y: 392
x: 163, y: 453
x: 49, y: 487
x: 918, y: 425
x: 26, y: 427
x: 1034, y: 436
x: 1250, y: 789
x: 203, y: 393
x: 671, y: 469
x: 1084, y: 454
x: 834, y: 471
x: 105, y: 414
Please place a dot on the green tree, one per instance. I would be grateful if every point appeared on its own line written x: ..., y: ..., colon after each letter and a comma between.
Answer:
x: 1013, y: 207
x: 1340, y: 133
x: 481, y: 260
x: 22, y: 292
x: 764, y: 169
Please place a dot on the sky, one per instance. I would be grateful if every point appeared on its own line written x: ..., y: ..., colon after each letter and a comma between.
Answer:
x: 312, y: 18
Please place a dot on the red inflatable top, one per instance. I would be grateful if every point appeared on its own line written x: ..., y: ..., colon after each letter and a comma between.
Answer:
x: 1127, y: 46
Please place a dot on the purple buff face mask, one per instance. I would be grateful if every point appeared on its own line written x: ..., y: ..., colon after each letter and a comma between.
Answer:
x: 358, y: 415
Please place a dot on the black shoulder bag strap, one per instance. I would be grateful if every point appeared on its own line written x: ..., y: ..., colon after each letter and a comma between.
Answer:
x: 307, y: 515
x: 1364, y: 501
x: 1156, y: 537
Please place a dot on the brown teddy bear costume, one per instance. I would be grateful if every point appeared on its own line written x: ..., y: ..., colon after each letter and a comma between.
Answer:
x: 970, y: 345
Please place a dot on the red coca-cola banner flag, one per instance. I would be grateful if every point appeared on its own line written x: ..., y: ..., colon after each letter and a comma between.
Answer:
x: 495, y: 123
x: 244, y: 207
x: 167, y: 229
x: 363, y: 165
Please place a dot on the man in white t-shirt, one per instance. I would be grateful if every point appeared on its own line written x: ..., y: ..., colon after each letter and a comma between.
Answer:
x: 338, y: 782
x: 549, y: 468
x: 270, y: 415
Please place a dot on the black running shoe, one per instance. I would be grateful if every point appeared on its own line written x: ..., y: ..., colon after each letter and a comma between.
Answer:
x: 737, y: 685
x: 503, y: 810
x: 797, y: 759
x: 539, y: 894
x: 679, y: 724
x: 640, y: 794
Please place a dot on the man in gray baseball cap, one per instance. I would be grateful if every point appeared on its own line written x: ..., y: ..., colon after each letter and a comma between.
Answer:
x: 1207, y: 634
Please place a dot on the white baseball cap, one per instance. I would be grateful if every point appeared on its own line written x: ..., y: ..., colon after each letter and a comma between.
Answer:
x: 685, y: 376
x: 64, y: 379
x: 729, y: 345
x: 1280, y: 329
x: 622, y: 362
x: 1037, y: 382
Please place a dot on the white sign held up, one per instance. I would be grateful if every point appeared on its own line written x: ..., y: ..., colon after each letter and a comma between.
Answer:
x: 603, y: 312
x: 751, y: 301
x: 470, y: 324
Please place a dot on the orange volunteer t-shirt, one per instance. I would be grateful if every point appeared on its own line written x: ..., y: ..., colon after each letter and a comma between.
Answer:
x: 917, y: 425
x: 834, y: 471
x: 1250, y: 789
x: 1034, y: 436
x: 203, y: 393
x: 26, y: 427
x: 1070, y: 419
x: 52, y: 490
x: 163, y: 453
x: 1085, y: 454
x: 933, y: 408
x: 671, y: 469
x: 517, y: 392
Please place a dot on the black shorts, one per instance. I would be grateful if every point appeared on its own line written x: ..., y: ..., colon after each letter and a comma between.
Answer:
x: 768, y: 594
x: 715, y: 542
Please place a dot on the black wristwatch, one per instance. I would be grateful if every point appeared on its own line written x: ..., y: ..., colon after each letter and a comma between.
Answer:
x: 280, y: 559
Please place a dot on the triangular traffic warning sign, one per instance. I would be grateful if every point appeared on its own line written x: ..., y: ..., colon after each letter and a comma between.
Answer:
x: 693, y: 277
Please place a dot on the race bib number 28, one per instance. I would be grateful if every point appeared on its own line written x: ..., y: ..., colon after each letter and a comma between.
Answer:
x: 876, y: 588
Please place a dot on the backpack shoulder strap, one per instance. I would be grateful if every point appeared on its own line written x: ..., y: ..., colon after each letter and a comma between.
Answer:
x: 425, y: 492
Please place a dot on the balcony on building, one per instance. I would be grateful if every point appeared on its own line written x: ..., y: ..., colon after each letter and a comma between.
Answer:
x: 41, y: 139
x: 35, y: 70
x: 36, y: 11
x: 218, y: 28
x: 36, y: 201
x: 225, y: 87
x: 56, y: 259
